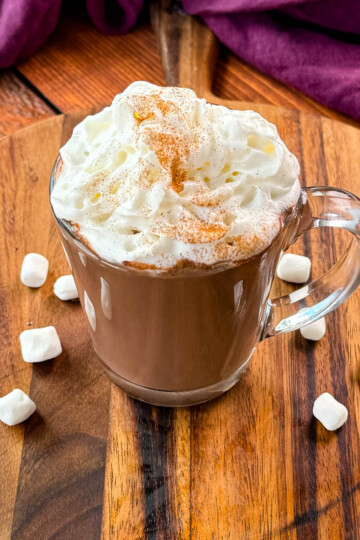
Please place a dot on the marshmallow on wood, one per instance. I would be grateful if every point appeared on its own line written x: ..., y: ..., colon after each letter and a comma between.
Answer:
x: 34, y: 270
x: 65, y: 288
x: 330, y: 412
x: 315, y: 330
x: 40, y: 344
x: 16, y: 407
x: 294, y: 268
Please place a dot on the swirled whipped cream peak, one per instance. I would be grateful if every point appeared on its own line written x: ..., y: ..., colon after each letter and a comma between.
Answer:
x: 162, y: 178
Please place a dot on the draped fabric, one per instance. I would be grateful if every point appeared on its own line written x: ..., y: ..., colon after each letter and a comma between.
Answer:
x: 312, y: 45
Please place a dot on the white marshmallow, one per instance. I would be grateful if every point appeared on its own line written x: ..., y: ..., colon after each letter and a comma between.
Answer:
x: 330, y: 412
x: 34, y: 270
x: 16, y: 407
x: 40, y: 344
x: 315, y: 330
x: 294, y: 268
x: 65, y: 288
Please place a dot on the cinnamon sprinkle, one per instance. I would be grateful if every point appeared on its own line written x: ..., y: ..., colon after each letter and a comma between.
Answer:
x: 194, y: 231
x: 141, y: 266
x: 172, y: 153
x: 171, y: 149
x: 145, y: 105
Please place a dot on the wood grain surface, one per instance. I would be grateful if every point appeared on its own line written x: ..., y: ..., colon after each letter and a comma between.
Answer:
x: 92, y: 462
x: 79, y: 67
x: 19, y: 105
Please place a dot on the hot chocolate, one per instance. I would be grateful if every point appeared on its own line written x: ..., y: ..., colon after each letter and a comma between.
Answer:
x: 173, y: 214
x: 162, y: 336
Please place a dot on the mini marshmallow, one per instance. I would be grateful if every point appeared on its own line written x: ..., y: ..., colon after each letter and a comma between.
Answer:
x: 315, y: 330
x: 294, y: 268
x: 65, y: 288
x: 40, y: 344
x: 330, y: 412
x: 16, y: 407
x: 34, y: 270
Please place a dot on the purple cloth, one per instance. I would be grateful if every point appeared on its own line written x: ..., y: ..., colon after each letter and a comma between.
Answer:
x: 114, y: 16
x: 26, y: 24
x: 309, y: 57
x: 312, y: 45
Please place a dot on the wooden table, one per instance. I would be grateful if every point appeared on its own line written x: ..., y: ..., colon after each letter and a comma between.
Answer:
x: 121, y: 469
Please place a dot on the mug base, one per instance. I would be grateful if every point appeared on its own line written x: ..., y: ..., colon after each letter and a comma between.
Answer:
x: 165, y: 398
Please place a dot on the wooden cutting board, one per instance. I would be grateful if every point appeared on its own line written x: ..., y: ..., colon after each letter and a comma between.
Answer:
x: 92, y: 462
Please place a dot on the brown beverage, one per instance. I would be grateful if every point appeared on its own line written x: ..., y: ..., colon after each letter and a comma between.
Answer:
x: 178, y: 337
x: 174, y: 266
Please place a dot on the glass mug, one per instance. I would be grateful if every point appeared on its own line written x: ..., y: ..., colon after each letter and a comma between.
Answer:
x: 183, y: 336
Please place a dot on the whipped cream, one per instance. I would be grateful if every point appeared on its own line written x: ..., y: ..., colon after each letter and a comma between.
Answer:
x: 161, y: 177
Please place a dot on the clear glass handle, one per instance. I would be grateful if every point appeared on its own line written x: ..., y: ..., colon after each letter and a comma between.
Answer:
x: 321, y: 207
